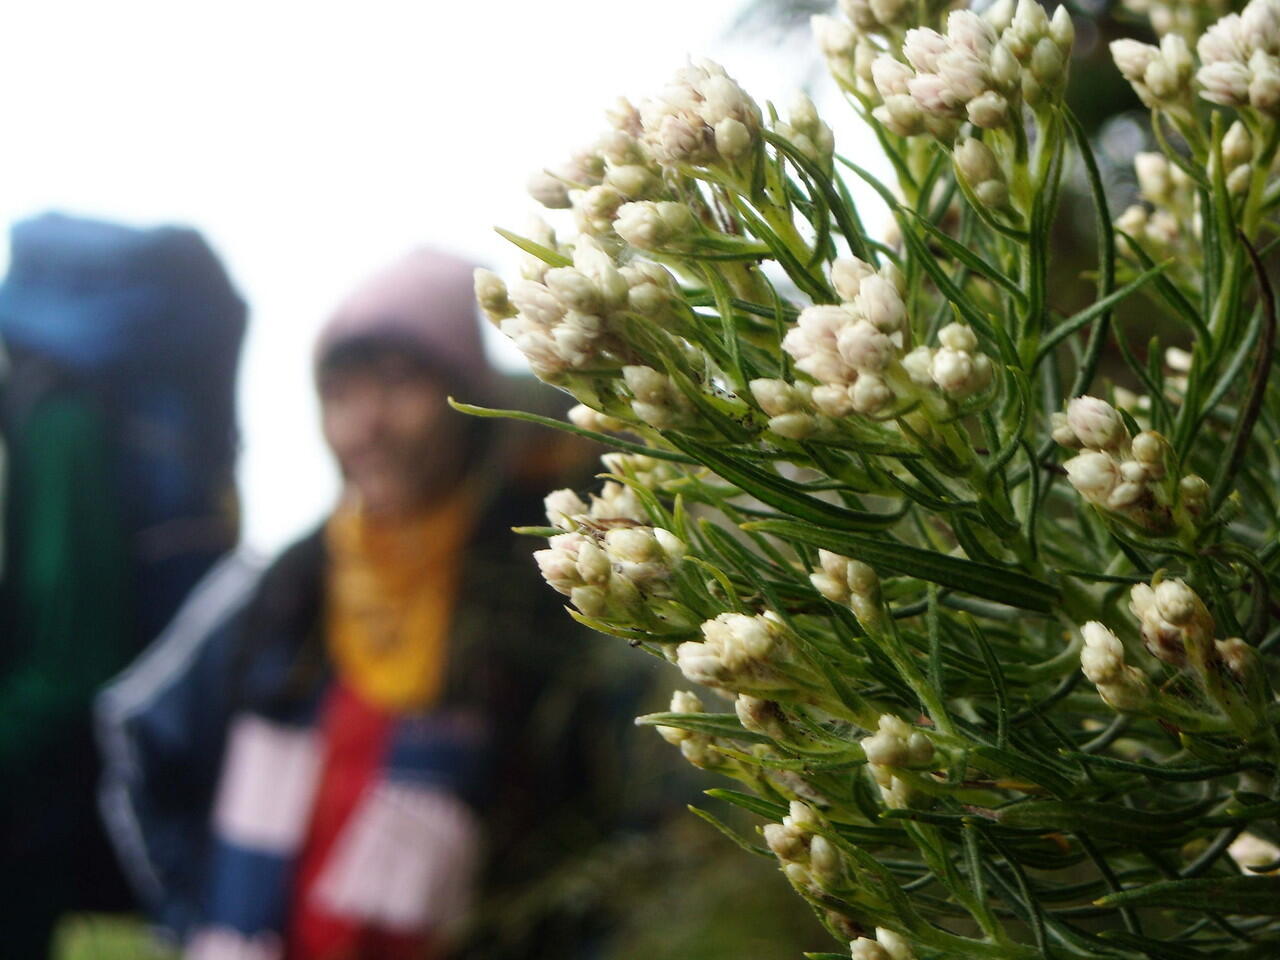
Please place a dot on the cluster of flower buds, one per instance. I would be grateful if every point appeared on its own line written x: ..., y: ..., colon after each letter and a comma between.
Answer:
x: 698, y: 748
x: 887, y: 945
x: 1124, y: 687
x: 850, y: 348
x: 1175, y: 620
x: 787, y: 405
x: 649, y: 472
x: 657, y: 401
x: 737, y: 653
x: 807, y: 132
x: 1170, y: 614
x: 1160, y: 76
x: 662, y: 225
x: 955, y: 367
x: 1172, y: 226
x: 1113, y: 471
x: 1238, y: 59
x: 980, y: 71
x: 605, y: 572
x: 850, y: 583
x: 595, y: 183
x: 702, y: 118
x: 809, y: 860
x: 1183, y: 17
x: 615, y: 505
x: 560, y: 320
x: 896, y: 746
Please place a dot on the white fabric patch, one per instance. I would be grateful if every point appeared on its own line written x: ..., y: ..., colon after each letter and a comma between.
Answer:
x: 221, y: 943
x: 267, y: 786
x: 406, y: 861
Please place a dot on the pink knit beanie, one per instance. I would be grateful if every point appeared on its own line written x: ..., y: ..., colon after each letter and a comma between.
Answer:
x: 426, y: 302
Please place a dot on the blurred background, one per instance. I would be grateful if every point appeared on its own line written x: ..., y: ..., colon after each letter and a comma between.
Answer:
x: 310, y: 143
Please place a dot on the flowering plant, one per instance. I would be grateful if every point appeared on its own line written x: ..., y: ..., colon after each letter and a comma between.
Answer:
x: 997, y: 636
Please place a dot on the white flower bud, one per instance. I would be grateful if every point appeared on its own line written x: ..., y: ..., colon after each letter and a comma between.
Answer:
x: 1047, y: 62
x: 590, y: 600
x: 491, y: 294
x: 1096, y: 423
x: 918, y: 364
x: 786, y: 843
x: 1237, y: 148
x: 999, y: 15
x: 958, y: 336
x: 1126, y: 494
x: 1194, y: 491
x: 824, y: 861
x: 835, y: 37
x: 1225, y: 83
x: 1176, y: 602
x: 922, y: 47
x: 1260, y: 25
x: 1224, y: 41
x: 1102, y: 657
x: 1132, y: 58
x: 733, y: 139
x: 536, y: 303
x: 900, y: 114
x: 1094, y: 474
x: 847, y: 274
x: 1006, y: 72
x: 1153, y: 176
x: 864, y: 347
x: 1062, y: 30
x: 989, y: 110
x: 793, y: 426
x: 897, y: 946
x: 879, y: 302
x: 976, y: 163
x: 1030, y: 21
x: 833, y: 400
x: 646, y: 384
x: 870, y: 394
x: 866, y: 949
x: 562, y: 506
x: 1264, y: 86
x: 775, y: 397
x: 632, y: 545
x: 648, y: 225
x: 548, y: 190
x: 593, y: 563
x: 952, y: 371
x: 587, y: 419
x: 1149, y: 449
x: 1062, y: 433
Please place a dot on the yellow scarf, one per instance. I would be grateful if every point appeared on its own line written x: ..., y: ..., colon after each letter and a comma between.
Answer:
x: 391, y: 590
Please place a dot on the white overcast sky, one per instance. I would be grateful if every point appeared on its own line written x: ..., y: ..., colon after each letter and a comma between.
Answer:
x: 313, y: 142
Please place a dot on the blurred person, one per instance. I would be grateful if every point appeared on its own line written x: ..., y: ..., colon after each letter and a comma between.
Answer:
x: 117, y: 416
x: 326, y: 756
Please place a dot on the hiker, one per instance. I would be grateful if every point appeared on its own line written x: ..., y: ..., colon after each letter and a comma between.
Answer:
x: 314, y: 760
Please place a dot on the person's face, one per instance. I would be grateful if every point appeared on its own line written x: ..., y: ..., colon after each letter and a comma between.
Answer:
x: 394, y: 436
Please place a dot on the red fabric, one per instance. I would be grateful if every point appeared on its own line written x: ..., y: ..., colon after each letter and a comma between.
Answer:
x: 355, y: 736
